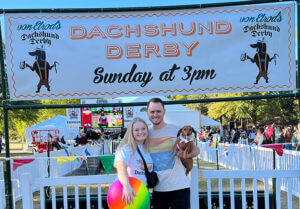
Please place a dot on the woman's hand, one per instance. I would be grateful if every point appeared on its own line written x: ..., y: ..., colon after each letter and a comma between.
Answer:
x: 128, y: 194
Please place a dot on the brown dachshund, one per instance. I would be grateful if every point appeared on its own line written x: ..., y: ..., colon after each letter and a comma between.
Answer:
x: 185, y: 143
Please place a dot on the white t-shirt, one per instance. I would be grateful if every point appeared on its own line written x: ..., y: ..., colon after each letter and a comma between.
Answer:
x: 171, y: 172
x: 134, y: 162
x: 260, y: 140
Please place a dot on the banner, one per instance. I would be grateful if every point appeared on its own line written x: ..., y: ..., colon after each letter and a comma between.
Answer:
x: 73, y: 118
x: 197, y: 51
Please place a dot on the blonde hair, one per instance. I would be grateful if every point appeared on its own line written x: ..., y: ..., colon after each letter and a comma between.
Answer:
x: 129, y: 139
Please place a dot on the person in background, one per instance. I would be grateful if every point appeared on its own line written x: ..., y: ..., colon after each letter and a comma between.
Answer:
x: 173, y: 188
x: 55, y: 143
x: 226, y: 136
x: 259, y: 136
x: 235, y: 134
x: 62, y: 140
x: 287, y: 134
x: 296, y: 138
x: 278, y: 135
x: 83, y: 139
x: 128, y: 161
x: 77, y: 139
x: 252, y: 134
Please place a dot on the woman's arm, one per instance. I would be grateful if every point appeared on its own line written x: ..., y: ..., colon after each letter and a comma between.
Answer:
x: 128, y: 192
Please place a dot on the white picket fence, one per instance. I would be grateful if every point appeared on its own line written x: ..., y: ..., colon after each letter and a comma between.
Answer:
x: 208, y: 174
x: 39, y: 169
x: 85, y: 181
x: 257, y: 162
x: 279, y: 175
x: 253, y: 158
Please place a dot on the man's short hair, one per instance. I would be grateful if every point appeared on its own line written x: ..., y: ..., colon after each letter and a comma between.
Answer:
x: 155, y: 100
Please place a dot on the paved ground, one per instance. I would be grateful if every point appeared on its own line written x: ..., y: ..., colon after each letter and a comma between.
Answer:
x: 94, y: 167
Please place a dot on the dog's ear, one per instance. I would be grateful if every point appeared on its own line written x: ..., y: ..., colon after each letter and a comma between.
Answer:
x: 193, y: 130
x: 179, y: 132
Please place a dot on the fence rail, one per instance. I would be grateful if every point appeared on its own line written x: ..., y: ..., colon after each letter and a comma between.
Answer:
x: 39, y: 168
x: 279, y: 175
x: 15, y: 184
x: 87, y: 181
x: 244, y: 157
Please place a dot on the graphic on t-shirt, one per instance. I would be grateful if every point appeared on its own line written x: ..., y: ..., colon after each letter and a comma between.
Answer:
x: 149, y: 166
x: 161, y: 144
x: 161, y: 151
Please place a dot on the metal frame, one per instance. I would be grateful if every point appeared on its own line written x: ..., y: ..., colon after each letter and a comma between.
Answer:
x: 11, y: 106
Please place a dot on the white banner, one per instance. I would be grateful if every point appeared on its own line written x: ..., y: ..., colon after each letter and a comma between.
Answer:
x: 73, y: 118
x: 197, y: 51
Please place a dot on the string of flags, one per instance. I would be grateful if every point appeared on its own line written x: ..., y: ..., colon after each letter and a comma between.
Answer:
x: 107, y: 161
x: 227, y: 148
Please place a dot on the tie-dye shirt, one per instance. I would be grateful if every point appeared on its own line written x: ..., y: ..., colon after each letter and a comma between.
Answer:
x: 171, y: 172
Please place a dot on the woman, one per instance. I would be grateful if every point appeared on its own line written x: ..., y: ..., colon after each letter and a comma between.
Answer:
x: 259, y: 136
x: 287, y: 134
x: 296, y: 138
x: 128, y: 161
x: 278, y: 135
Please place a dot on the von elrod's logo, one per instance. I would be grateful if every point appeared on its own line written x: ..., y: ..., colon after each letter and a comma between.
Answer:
x: 41, y: 67
x: 40, y: 32
x: 261, y: 59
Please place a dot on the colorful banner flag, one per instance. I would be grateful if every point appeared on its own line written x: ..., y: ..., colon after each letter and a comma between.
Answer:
x: 214, y: 144
x: 277, y: 147
x: 239, y: 149
x: 269, y: 131
x: 19, y: 162
x: 61, y: 160
x: 67, y: 152
x: 98, y: 144
x: 107, y: 162
x: 87, y: 152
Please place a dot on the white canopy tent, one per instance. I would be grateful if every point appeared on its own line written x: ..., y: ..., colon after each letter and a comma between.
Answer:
x: 58, y: 122
x: 176, y: 114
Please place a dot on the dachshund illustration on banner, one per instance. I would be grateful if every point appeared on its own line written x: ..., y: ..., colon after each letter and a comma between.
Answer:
x: 261, y: 59
x: 41, y: 67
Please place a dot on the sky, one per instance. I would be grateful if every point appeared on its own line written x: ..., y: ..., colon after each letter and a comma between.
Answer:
x: 51, y: 4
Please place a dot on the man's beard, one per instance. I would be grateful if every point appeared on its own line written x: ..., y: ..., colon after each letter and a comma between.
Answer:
x: 157, y: 123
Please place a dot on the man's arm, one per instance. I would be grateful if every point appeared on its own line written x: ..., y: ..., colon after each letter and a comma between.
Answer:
x: 195, y: 151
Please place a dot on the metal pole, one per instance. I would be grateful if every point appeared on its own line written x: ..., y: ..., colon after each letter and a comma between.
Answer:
x: 124, y: 9
x: 217, y: 153
x: 48, y: 155
x: 8, y: 185
x: 298, y: 49
x: 274, y: 180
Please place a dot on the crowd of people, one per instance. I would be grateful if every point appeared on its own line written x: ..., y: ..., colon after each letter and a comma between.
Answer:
x: 269, y: 134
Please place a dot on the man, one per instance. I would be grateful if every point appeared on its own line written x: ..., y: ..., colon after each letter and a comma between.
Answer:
x: 173, y: 189
x: 83, y: 139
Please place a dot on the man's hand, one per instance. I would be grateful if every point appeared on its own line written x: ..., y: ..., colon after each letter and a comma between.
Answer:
x: 180, y: 152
